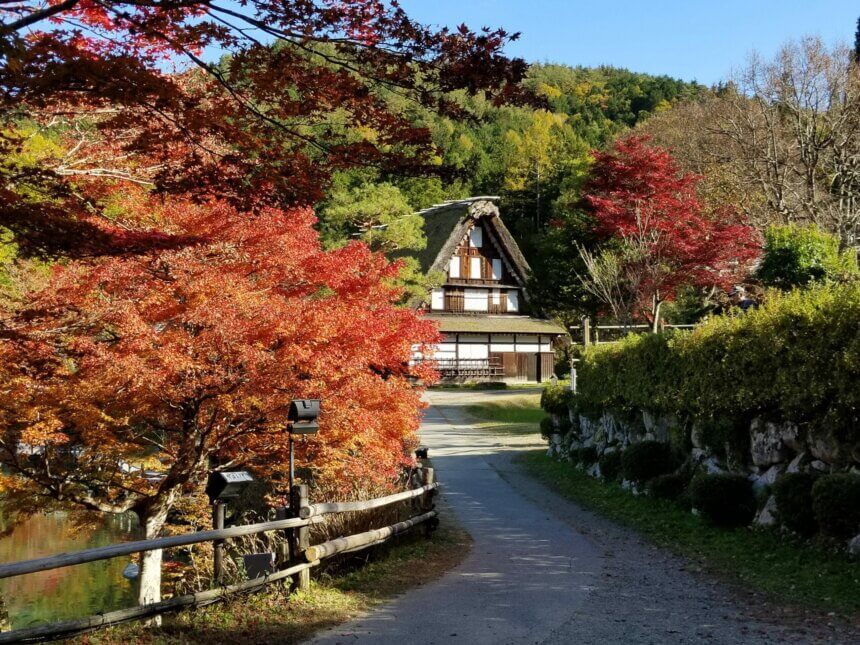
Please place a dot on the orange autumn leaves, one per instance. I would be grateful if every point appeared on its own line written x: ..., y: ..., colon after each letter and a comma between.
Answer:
x: 192, y: 355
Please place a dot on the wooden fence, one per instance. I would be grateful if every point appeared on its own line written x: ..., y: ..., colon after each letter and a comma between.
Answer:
x: 588, y: 333
x: 295, y: 564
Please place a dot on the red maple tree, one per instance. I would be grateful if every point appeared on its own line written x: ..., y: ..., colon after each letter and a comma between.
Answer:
x: 637, y: 194
x: 188, y: 358
x: 264, y: 126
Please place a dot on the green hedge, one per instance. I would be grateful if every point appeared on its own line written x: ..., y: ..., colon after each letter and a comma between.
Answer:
x: 836, y: 502
x: 725, y: 500
x: 646, y: 460
x: 556, y: 399
x: 610, y: 465
x: 797, y: 357
x: 793, y: 492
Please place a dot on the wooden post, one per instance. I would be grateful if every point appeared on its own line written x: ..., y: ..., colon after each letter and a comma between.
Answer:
x: 301, y: 537
x: 282, y: 555
x: 586, y: 331
x: 218, y: 523
x: 428, y: 476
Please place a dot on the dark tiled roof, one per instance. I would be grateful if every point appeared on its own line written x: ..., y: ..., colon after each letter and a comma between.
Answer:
x: 483, y: 324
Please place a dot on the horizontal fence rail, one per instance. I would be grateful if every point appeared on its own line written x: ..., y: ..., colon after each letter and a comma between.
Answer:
x: 347, y: 507
x: 589, y: 333
x: 360, y: 540
x: 303, y: 557
x: 129, y: 548
x: 199, y: 599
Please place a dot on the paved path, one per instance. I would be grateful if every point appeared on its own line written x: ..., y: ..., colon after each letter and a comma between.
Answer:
x: 542, y: 570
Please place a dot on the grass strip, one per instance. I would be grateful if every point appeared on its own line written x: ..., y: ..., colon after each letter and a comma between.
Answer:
x: 786, y: 568
x: 273, y: 616
x: 510, y: 415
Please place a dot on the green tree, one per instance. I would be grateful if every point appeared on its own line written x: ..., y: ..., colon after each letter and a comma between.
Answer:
x: 795, y: 256
x: 379, y: 214
x: 857, y: 43
x: 539, y: 154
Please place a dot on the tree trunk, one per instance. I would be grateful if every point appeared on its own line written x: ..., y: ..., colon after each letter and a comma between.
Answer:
x: 655, y: 312
x: 150, y: 561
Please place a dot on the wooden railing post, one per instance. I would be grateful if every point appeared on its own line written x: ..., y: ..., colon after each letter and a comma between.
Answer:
x: 428, y: 476
x: 300, y: 538
x: 282, y: 553
x: 218, y: 545
x: 586, y: 331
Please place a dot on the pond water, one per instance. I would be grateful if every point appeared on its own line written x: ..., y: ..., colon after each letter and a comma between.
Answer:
x: 70, y: 592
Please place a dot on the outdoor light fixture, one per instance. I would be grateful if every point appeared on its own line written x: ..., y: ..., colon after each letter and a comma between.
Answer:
x: 229, y: 485
x: 302, y: 419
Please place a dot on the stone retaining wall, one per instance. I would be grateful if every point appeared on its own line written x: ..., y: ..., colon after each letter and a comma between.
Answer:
x: 773, y: 448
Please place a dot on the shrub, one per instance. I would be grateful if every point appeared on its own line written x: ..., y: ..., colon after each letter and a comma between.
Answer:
x: 610, y: 465
x: 725, y: 500
x: 668, y: 486
x: 646, y: 460
x: 793, y: 492
x: 585, y: 456
x: 547, y: 428
x: 556, y: 399
x: 735, y: 366
x: 836, y: 503
x: 795, y: 256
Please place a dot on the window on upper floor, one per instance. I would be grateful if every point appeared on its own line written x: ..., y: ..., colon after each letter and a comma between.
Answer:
x: 437, y: 299
x: 454, y: 267
x: 513, y: 300
x: 476, y: 237
x: 497, y: 269
x: 475, y: 268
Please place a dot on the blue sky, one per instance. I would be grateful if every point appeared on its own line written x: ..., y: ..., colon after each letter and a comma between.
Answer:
x: 692, y: 39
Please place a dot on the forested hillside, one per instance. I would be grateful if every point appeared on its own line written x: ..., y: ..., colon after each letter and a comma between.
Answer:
x: 531, y: 155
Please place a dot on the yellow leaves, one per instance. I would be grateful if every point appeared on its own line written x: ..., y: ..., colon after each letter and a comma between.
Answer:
x: 46, y: 431
x: 548, y: 91
x: 662, y: 106
x: 367, y: 133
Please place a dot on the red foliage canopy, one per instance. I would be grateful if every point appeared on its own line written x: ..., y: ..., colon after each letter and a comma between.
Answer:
x: 263, y: 127
x: 637, y: 192
x: 191, y: 355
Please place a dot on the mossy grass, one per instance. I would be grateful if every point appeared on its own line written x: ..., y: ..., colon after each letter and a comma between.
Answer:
x: 274, y: 616
x: 785, y: 568
x: 519, y: 414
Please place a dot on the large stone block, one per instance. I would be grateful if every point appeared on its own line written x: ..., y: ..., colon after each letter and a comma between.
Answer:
x: 793, y: 436
x: 799, y: 464
x: 768, y: 477
x: 659, y: 426
x: 824, y: 446
x: 766, y: 445
x: 767, y: 515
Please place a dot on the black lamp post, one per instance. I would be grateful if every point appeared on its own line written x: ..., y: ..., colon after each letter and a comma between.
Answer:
x: 302, y: 419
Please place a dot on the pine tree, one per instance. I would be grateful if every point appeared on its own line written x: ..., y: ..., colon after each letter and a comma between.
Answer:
x: 857, y: 43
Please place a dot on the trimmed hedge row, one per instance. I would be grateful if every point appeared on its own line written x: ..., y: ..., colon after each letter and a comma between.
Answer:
x: 797, y: 357
x: 807, y: 503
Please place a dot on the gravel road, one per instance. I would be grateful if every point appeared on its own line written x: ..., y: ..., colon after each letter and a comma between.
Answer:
x: 543, y: 570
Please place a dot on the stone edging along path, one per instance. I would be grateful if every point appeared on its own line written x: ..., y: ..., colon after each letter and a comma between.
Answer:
x: 543, y: 570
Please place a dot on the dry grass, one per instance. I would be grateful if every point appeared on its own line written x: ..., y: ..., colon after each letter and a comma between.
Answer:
x: 363, y: 582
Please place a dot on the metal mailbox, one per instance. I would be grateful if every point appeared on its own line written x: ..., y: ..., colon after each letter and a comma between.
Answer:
x: 227, y: 485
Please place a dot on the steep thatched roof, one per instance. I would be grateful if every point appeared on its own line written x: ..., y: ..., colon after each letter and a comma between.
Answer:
x: 446, y: 224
